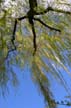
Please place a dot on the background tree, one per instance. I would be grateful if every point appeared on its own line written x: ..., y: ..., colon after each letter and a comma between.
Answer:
x: 50, y: 41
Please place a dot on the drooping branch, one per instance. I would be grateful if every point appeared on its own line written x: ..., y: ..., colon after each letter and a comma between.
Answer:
x: 51, y: 28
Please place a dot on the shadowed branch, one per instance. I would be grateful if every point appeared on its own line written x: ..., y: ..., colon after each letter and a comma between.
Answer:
x: 34, y: 37
x: 54, y: 10
x: 21, y: 18
x: 15, y: 27
x: 13, y: 37
x: 51, y: 28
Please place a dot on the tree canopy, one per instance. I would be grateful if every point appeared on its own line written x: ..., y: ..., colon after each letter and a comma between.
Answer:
x: 37, y: 35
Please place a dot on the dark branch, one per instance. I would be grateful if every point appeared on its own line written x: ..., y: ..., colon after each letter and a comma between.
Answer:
x: 34, y: 34
x: 54, y: 10
x: 34, y: 38
x: 13, y: 37
x: 51, y: 28
x: 21, y: 18
x: 58, y: 10
x: 15, y: 27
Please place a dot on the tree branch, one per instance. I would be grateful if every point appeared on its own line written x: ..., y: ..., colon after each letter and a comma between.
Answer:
x: 51, y: 28
x: 15, y: 27
x: 58, y: 10
x: 34, y: 38
x: 53, y: 9
x: 13, y: 37
x: 21, y: 18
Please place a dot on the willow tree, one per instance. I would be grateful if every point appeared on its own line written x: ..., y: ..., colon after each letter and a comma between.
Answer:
x: 37, y: 35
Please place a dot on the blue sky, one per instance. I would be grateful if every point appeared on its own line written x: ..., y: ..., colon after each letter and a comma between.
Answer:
x: 26, y: 95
